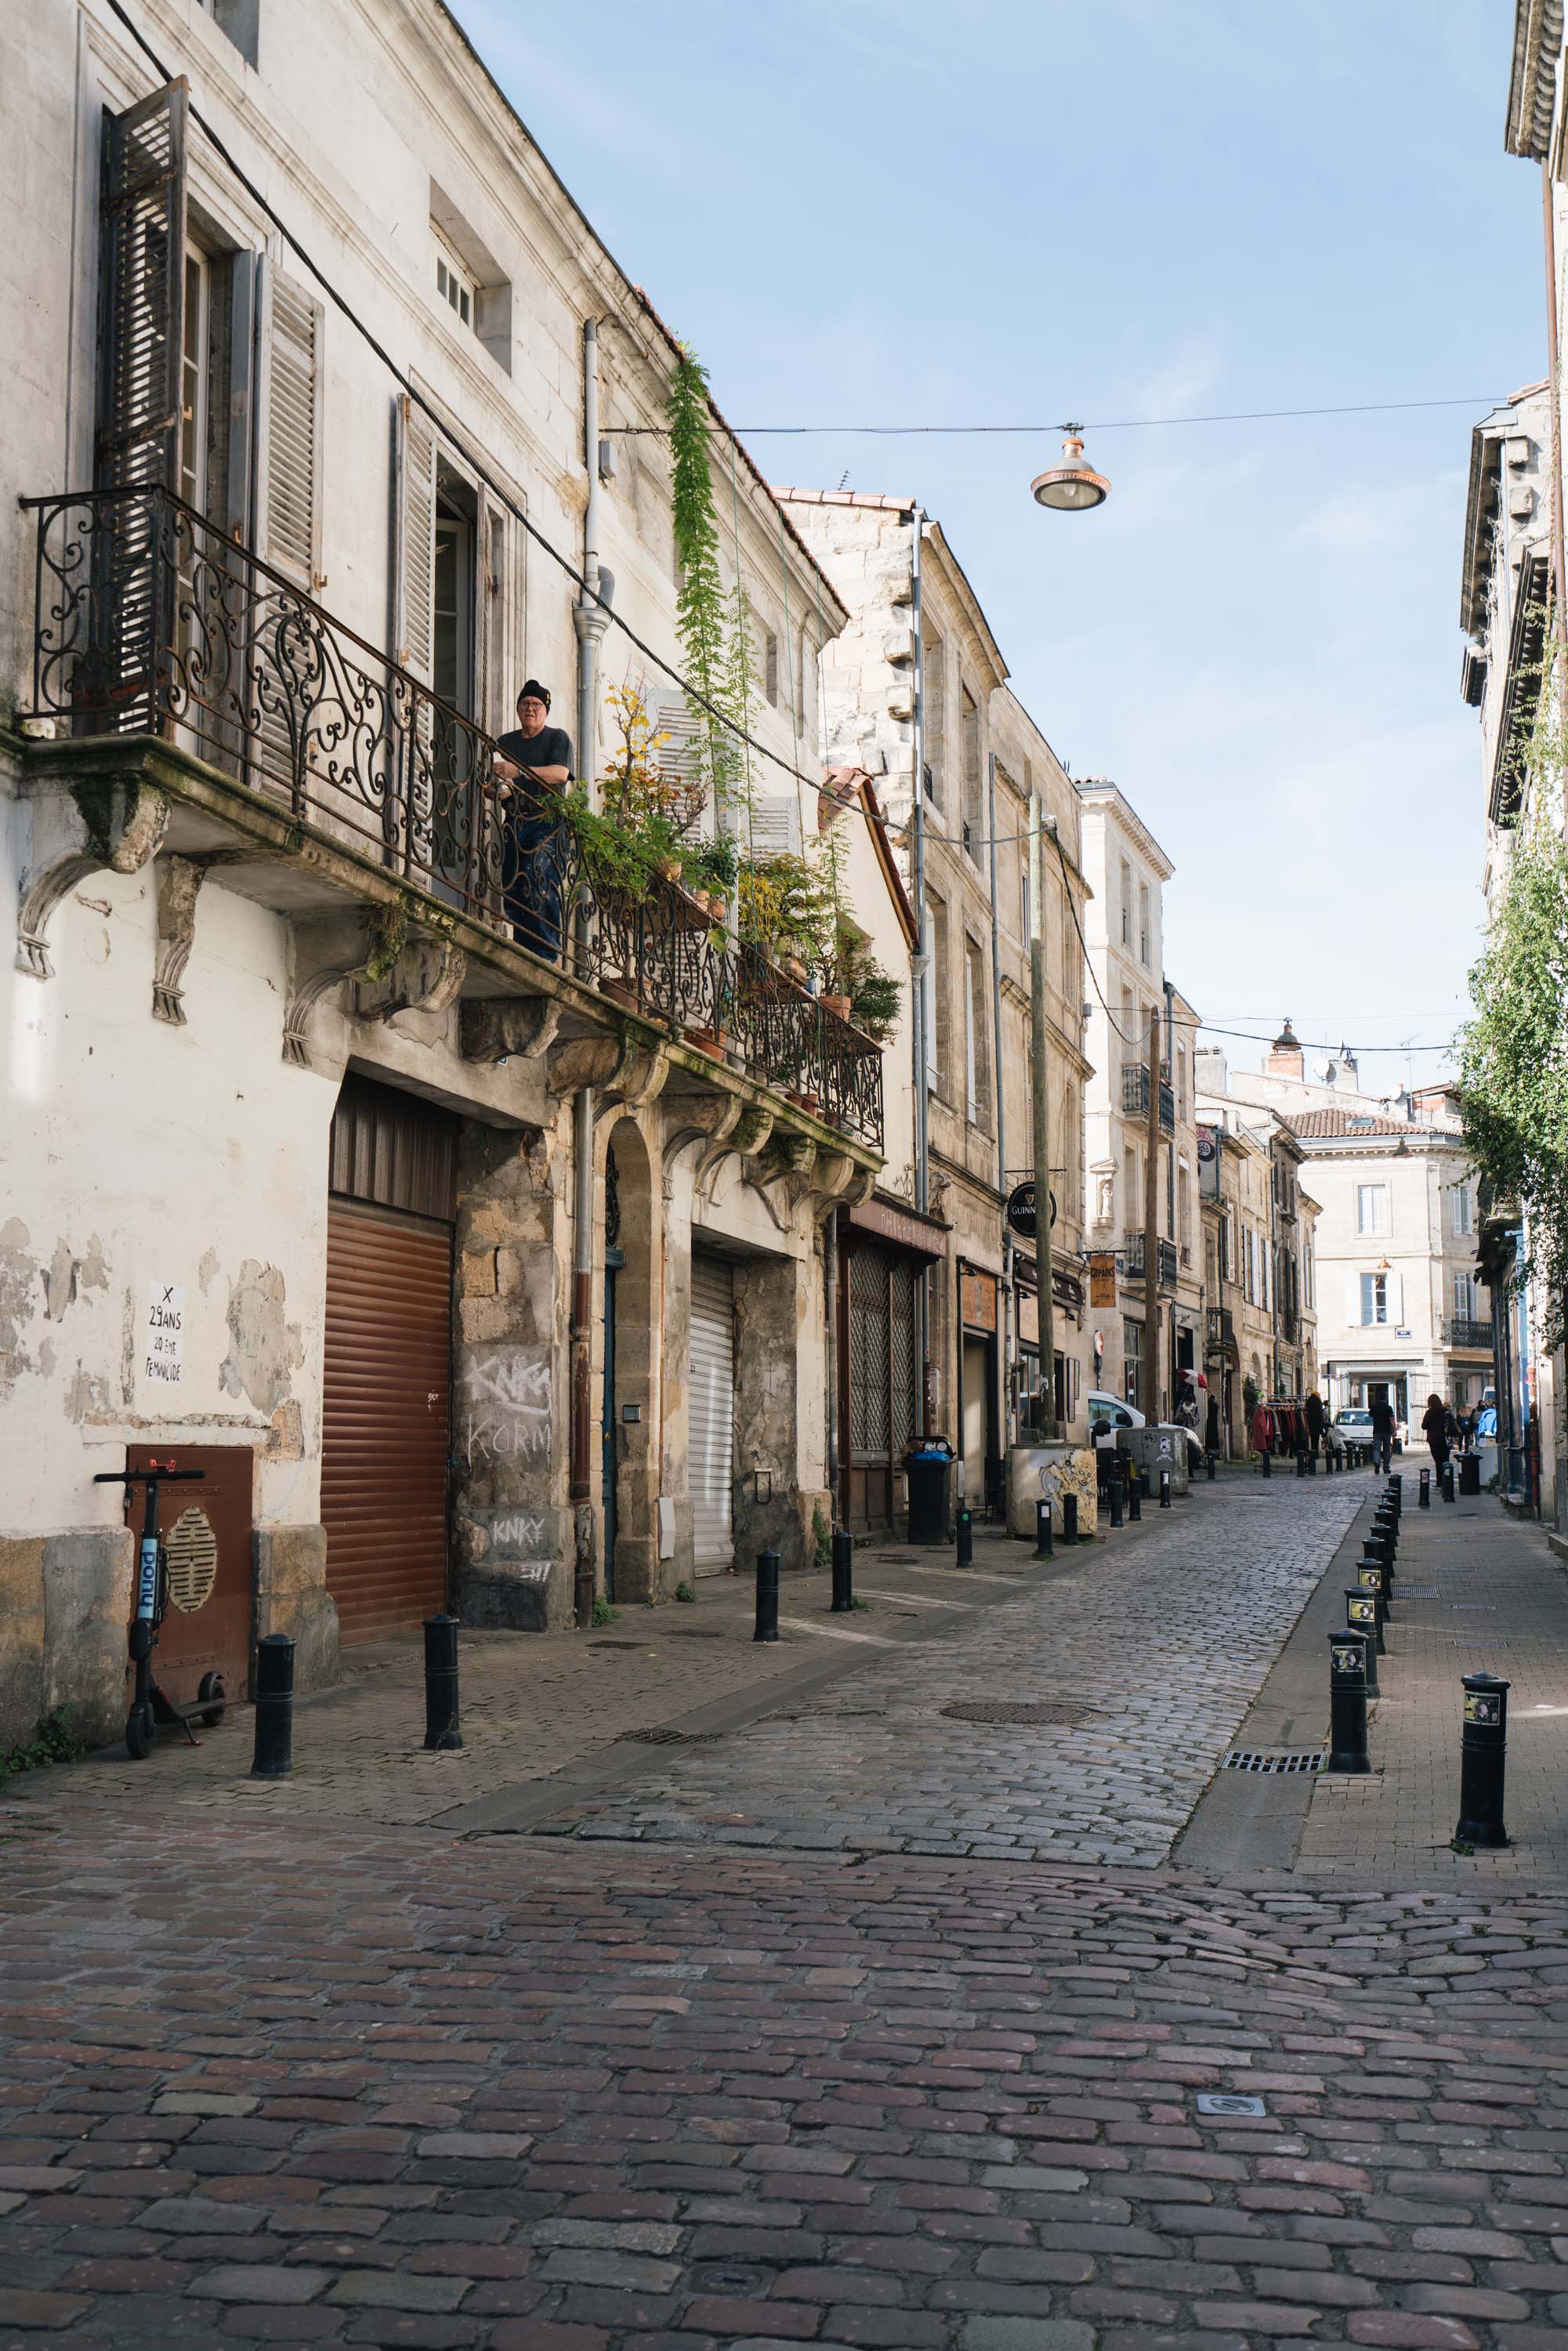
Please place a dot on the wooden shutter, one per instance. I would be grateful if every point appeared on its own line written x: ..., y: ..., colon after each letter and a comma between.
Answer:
x: 679, y: 753
x: 288, y: 480
x: 775, y: 825
x: 413, y: 555
x: 141, y: 292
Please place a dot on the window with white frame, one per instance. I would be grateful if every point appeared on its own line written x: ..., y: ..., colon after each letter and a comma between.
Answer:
x: 1461, y: 1209
x: 1372, y: 1207
x: 1464, y: 1296
x: 1374, y: 1298
x: 457, y: 285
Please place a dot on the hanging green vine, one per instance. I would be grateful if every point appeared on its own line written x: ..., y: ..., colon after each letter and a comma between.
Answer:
x: 715, y: 642
x: 1513, y: 1054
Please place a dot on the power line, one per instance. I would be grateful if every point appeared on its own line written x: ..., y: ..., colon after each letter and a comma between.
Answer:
x: 1109, y: 424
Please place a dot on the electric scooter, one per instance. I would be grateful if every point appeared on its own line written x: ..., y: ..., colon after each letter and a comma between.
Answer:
x: 149, y: 1708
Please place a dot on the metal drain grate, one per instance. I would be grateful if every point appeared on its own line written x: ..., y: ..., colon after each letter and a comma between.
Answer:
x: 661, y: 1736
x: 1251, y: 1758
x: 630, y: 1646
x: 697, y: 1632
x: 997, y: 1710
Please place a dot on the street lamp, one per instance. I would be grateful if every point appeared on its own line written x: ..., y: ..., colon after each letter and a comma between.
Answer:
x: 1072, y: 487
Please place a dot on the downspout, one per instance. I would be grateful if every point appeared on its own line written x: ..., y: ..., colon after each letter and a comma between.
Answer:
x: 831, y: 1316
x: 1554, y: 366
x: 919, y: 971
x: 1170, y: 1176
x: 1005, y: 1368
x: 590, y: 618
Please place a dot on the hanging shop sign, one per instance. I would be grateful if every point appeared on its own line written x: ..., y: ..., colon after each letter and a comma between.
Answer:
x: 1021, y: 1215
x: 1102, y: 1277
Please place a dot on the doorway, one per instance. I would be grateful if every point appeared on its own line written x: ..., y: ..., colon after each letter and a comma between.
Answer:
x: 711, y: 1415
x: 976, y: 1378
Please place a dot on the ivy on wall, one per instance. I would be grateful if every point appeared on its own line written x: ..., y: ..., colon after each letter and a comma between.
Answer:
x: 715, y: 642
x: 1513, y: 1054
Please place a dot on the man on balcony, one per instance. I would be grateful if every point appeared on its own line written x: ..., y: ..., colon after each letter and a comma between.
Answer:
x: 533, y: 765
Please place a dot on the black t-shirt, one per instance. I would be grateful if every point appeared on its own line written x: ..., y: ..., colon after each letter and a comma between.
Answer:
x: 550, y: 747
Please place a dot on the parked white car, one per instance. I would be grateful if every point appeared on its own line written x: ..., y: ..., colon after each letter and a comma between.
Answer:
x: 1355, y: 1424
x: 1107, y: 1414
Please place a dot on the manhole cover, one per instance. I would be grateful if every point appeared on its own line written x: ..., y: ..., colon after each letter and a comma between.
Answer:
x: 997, y: 1710
x: 661, y: 1736
x: 1302, y: 1759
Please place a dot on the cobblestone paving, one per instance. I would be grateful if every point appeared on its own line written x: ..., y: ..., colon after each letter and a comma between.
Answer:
x: 531, y: 1703
x: 1474, y: 1591
x: 386, y: 2087
x: 1157, y: 1649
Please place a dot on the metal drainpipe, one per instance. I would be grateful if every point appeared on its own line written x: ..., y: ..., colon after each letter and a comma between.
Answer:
x: 589, y: 621
x: 1170, y: 1175
x: 922, y: 959
x: 1005, y: 1368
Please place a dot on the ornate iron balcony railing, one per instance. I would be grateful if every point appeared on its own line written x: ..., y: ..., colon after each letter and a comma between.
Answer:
x: 1133, y: 1260
x: 148, y: 621
x: 1465, y: 1331
x: 1135, y: 1094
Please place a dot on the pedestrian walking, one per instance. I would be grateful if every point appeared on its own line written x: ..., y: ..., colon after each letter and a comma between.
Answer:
x: 1437, y: 1426
x: 1317, y: 1421
x: 1383, y: 1427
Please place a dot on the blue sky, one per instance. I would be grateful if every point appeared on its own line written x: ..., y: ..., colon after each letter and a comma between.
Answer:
x: 981, y: 211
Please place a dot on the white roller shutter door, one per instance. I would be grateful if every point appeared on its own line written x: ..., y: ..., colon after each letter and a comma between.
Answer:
x: 711, y: 1415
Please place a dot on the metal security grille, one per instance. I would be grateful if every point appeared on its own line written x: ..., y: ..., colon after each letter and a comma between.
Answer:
x: 711, y: 1415
x: 901, y: 1350
x: 1247, y: 1759
x: 869, y: 1347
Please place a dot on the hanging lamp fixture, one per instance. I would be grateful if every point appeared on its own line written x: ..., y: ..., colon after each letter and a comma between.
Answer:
x: 1073, y: 486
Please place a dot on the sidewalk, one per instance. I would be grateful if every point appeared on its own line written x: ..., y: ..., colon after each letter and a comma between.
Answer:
x: 534, y: 1705
x: 1476, y: 1591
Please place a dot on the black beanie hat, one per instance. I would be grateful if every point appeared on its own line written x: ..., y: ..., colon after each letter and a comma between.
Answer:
x: 533, y: 692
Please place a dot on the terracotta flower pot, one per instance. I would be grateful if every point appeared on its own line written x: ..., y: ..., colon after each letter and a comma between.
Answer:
x: 838, y: 1005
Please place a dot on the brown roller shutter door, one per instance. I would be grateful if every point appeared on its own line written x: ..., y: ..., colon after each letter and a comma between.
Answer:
x: 386, y: 1421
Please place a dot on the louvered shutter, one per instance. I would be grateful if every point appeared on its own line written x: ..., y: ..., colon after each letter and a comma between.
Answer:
x: 290, y: 453
x: 775, y: 825
x: 681, y: 728
x: 413, y: 556
x: 141, y: 292
x: 929, y: 996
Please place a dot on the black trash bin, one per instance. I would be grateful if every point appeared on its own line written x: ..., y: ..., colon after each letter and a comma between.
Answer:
x: 1470, y: 1473
x: 929, y: 1468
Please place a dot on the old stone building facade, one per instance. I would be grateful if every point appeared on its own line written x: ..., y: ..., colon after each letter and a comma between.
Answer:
x: 916, y: 687
x: 464, y: 1224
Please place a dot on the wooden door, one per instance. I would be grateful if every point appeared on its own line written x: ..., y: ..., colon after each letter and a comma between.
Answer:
x: 386, y: 1418
x: 206, y: 1627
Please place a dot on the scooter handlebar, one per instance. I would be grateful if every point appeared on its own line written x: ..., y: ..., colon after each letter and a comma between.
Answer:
x: 140, y: 1476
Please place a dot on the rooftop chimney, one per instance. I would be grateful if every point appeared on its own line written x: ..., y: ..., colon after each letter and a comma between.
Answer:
x: 1286, y: 1059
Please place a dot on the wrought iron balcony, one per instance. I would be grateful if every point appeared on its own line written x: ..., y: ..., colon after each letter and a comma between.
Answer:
x: 1136, y: 1095
x: 150, y: 621
x: 1464, y: 1331
x: 1133, y: 1260
x: 1222, y: 1332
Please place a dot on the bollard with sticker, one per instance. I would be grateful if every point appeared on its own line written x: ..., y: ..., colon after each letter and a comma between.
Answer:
x: 1483, y: 1761
x: 1347, y: 1705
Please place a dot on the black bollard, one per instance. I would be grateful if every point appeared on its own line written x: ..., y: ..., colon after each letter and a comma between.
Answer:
x: 1268, y: 1463
x: 1044, y: 1547
x: 767, y: 1596
x: 1447, y: 1481
x: 1347, y: 1704
x: 1424, y: 1498
x: 1369, y: 1575
x: 1164, y: 1487
x: 843, y: 1574
x: 1361, y: 1616
x: 1311, y: 1465
x: 1115, y: 1492
x: 1375, y: 1597
x: 441, y: 1713
x: 1135, y: 1495
x: 1483, y: 1761
x: 1396, y: 1492
x: 273, y: 1756
x: 1069, y: 1520
x: 965, y: 1538
x: 1208, y: 1459
x: 1301, y: 1462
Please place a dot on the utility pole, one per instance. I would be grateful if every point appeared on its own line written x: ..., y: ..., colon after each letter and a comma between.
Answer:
x: 1041, y: 1123
x: 1151, y: 1232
